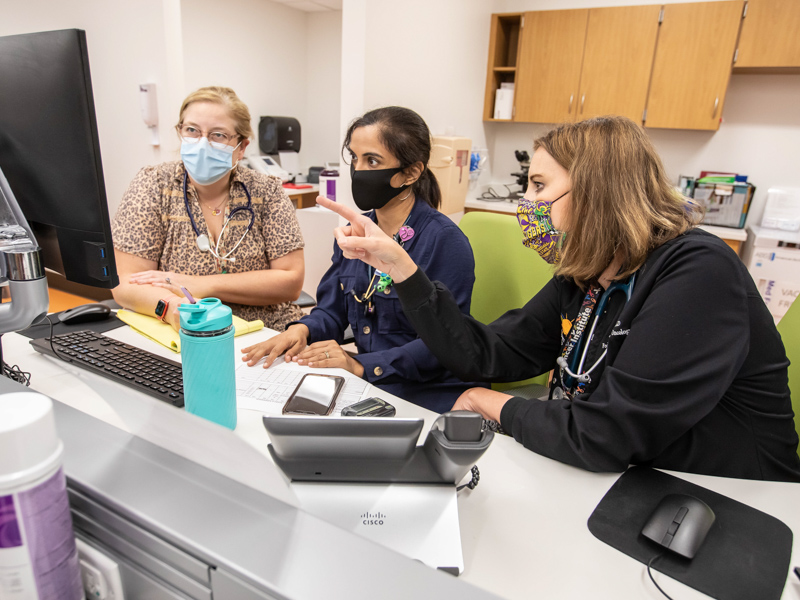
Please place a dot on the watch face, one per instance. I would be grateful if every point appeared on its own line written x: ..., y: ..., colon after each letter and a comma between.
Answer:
x: 160, y: 308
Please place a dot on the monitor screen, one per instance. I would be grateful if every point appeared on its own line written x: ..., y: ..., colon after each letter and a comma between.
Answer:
x: 50, y: 152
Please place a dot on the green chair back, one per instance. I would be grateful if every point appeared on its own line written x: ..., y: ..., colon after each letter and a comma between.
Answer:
x: 789, y: 328
x: 507, y: 274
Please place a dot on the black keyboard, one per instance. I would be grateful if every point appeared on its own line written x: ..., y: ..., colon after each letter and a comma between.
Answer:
x: 131, y: 366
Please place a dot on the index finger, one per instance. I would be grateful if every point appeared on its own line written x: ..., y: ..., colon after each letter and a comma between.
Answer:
x: 342, y: 210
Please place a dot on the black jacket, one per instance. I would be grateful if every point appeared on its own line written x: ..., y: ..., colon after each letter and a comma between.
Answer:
x: 695, y: 378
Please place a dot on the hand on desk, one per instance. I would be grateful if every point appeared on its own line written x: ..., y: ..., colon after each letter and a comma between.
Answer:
x: 293, y: 343
x: 329, y: 354
x: 484, y: 401
x: 290, y: 342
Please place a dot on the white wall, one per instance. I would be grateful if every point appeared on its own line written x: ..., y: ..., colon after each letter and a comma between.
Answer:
x: 427, y: 56
x: 127, y: 45
x: 321, y: 140
x: 261, y: 54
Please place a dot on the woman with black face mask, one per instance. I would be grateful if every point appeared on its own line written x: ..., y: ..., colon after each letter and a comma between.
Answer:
x: 389, y: 149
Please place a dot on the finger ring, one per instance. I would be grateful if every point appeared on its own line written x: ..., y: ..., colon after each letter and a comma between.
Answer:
x: 167, y: 280
x: 327, y: 354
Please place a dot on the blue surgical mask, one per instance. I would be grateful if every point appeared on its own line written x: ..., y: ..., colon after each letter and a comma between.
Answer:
x: 206, y: 164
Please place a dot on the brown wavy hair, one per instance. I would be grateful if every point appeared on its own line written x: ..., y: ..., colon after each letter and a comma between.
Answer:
x: 621, y: 198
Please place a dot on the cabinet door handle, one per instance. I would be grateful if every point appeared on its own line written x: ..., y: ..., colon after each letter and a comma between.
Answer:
x: 716, y: 104
x: 583, y: 99
x: 569, y: 110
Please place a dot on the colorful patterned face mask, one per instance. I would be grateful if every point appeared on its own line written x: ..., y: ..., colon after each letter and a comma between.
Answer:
x: 537, y: 228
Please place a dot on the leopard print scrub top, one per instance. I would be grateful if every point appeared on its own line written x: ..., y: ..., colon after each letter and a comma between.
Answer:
x: 152, y: 223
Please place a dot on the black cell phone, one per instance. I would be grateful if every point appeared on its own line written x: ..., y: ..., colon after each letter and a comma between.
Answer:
x: 314, y: 395
x: 371, y: 407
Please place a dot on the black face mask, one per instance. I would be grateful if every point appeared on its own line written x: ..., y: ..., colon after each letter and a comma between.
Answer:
x: 373, y: 189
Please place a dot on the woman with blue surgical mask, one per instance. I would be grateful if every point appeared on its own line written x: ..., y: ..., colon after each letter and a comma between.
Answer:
x: 209, y: 226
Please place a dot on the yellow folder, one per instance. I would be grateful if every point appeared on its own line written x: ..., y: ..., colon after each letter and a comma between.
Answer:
x: 165, y: 335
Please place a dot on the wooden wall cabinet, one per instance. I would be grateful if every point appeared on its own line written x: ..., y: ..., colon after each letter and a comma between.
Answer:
x: 550, y: 65
x: 576, y: 64
x: 770, y: 38
x: 673, y: 60
x: 692, y: 66
x: 617, y: 59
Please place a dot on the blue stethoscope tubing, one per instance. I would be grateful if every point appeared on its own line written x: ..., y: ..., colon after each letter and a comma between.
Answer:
x: 238, y: 209
x: 617, y: 286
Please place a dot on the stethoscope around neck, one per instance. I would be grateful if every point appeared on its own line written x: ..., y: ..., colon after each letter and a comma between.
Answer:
x: 203, y: 243
x: 617, y: 286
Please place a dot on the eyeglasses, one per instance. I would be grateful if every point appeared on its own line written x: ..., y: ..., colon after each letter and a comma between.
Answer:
x: 218, y: 139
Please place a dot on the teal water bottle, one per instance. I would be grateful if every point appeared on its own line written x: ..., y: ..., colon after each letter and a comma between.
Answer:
x: 209, y: 383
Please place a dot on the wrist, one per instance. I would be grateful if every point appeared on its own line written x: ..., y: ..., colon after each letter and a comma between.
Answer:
x: 356, y: 368
x: 299, y: 329
x: 405, y: 268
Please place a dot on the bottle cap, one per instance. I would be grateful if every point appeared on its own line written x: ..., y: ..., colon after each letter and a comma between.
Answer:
x: 29, y: 444
x: 209, y: 314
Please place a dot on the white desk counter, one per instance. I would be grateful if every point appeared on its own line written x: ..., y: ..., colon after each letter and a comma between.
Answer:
x: 523, y: 529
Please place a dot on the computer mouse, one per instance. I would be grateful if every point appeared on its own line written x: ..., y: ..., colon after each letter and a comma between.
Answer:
x: 680, y: 523
x: 86, y: 313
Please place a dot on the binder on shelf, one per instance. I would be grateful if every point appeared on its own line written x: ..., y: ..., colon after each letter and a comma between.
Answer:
x: 504, y: 102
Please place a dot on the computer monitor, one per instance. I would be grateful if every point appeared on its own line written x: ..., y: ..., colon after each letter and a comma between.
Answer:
x: 50, y: 152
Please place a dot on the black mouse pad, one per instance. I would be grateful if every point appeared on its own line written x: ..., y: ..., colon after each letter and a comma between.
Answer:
x: 745, y: 555
x: 43, y: 329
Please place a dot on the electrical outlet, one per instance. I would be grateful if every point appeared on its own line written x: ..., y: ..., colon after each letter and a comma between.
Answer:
x: 100, y: 573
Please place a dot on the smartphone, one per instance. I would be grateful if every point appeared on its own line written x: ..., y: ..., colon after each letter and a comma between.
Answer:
x: 314, y: 395
x: 371, y: 407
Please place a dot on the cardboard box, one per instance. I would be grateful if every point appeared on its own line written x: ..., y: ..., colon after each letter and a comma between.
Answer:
x: 778, y: 295
x: 773, y: 259
x: 450, y: 164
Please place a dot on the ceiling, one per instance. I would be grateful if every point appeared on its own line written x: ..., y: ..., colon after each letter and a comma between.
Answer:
x: 313, y: 5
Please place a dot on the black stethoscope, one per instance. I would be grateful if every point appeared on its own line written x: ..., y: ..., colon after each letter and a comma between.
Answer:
x: 203, y: 243
x: 617, y: 286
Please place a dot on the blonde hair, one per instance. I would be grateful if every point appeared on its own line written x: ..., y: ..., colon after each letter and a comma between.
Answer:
x: 237, y: 110
x: 621, y: 198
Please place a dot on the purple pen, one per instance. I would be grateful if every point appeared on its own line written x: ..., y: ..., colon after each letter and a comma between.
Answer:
x: 189, y: 297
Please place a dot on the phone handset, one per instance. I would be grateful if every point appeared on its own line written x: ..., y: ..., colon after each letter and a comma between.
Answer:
x: 455, y: 442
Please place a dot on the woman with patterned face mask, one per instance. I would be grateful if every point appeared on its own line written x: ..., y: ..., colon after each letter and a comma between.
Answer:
x: 662, y: 351
x: 388, y: 150
x: 208, y: 225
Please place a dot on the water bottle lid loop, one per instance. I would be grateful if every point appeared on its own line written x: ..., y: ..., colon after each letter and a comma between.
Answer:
x: 207, y: 315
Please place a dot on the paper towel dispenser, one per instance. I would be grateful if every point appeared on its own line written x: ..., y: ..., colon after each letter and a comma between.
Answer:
x: 278, y: 134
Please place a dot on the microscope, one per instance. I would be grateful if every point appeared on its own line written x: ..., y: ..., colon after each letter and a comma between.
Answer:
x: 524, y: 160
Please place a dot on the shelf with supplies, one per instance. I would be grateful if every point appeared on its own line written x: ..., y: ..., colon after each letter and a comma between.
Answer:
x: 504, y: 51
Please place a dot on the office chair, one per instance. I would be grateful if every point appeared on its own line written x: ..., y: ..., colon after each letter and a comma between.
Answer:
x: 507, y: 275
x: 789, y: 328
